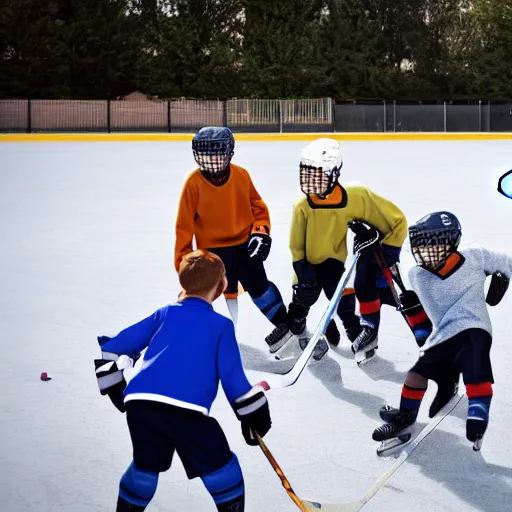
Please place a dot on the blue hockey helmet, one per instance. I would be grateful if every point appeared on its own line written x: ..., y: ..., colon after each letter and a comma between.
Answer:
x: 213, y: 147
x: 434, y: 237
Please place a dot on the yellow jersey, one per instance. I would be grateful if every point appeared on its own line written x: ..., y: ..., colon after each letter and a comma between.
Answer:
x: 319, y: 226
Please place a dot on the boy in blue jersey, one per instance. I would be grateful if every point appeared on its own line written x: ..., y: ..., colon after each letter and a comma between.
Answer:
x: 190, y: 348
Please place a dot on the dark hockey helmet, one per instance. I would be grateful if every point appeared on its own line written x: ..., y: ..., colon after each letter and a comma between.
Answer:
x: 320, y: 166
x: 213, y: 147
x: 434, y: 237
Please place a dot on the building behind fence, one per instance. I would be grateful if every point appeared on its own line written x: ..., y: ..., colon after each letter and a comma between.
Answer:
x: 249, y: 115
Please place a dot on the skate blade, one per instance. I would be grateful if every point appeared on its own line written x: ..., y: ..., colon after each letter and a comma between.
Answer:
x: 478, y: 444
x: 390, y: 445
x: 362, y: 358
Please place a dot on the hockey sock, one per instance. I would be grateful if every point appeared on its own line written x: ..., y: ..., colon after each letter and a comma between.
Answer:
x: 226, y: 484
x: 137, y: 488
x: 347, y: 314
x: 480, y: 397
x: 235, y: 505
x: 411, y: 399
x: 270, y: 303
x: 124, y: 506
x: 371, y: 320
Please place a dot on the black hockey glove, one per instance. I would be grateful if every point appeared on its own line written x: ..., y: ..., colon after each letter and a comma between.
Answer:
x: 253, y: 412
x: 366, y: 236
x: 415, y: 315
x: 497, y: 288
x: 111, y: 381
x: 259, y: 244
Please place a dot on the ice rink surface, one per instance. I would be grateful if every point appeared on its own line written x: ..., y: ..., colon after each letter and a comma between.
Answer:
x: 87, y: 237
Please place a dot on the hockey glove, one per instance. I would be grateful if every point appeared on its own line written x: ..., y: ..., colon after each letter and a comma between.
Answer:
x: 497, y: 288
x: 366, y: 236
x: 391, y: 254
x: 111, y: 382
x: 259, y: 244
x: 415, y: 315
x: 253, y: 412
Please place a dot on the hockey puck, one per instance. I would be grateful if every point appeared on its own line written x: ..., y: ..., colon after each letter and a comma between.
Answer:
x: 45, y: 377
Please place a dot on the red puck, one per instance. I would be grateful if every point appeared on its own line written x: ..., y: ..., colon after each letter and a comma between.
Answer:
x: 44, y: 376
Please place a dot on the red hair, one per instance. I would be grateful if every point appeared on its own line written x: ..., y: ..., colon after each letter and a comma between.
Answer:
x: 200, y: 272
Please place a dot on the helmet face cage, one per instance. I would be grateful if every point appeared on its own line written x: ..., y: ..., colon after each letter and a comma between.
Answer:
x: 431, y: 248
x: 213, y: 156
x: 314, y: 180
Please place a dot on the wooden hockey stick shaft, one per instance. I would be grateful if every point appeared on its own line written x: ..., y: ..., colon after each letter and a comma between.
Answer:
x: 279, y: 472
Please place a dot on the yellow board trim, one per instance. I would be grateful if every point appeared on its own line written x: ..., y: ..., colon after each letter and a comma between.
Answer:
x: 252, y: 137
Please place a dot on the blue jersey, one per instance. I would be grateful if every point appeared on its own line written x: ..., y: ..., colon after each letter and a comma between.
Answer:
x: 190, y: 348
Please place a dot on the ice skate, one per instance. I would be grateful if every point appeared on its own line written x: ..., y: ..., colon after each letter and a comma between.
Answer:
x: 365, y: 345
x: 396, y: 433
x: 292, y: 348
x: 278, y: 338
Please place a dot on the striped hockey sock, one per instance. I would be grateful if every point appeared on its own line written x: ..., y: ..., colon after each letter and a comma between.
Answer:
x: 480, y: 397
x: 411, y: 399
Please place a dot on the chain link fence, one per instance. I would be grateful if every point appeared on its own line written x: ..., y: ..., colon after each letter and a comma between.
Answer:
x: 253, y: 115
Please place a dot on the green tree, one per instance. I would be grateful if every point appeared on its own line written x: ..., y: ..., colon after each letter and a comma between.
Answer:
x: 280, y: 54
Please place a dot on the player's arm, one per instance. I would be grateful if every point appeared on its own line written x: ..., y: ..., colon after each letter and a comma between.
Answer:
x: 259, y: 209
x: 259, y: 241
x: 134, y: 339
x: 185, y: 226
x: 249, y: 403
x: 493, y: 262
x: 387, y: 218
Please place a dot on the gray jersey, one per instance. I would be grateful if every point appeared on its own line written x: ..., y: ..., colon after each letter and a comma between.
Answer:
x: 458, y: 302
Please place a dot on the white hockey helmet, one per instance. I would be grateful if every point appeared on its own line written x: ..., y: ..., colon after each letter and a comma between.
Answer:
x: 320, y: 166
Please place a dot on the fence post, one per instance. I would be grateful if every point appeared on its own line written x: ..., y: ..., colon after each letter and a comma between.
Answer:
x: 108, y: 116
x: 480, y: 115
x: 333, y: 114
x: 280, y: 116
x: 169, y: 116
x: 385, y: 117
x: 444, y: 115
x: 29, y: 116
x: 225, y: 113
x: 394, y: 115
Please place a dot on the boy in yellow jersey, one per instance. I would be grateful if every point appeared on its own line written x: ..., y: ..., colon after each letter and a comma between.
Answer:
x: 222, y: 209
x: 318, y: 243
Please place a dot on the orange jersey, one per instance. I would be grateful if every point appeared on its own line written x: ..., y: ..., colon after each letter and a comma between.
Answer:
x: 218, y: 216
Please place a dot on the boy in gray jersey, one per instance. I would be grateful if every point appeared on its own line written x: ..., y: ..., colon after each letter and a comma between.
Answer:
x: 450, y: 286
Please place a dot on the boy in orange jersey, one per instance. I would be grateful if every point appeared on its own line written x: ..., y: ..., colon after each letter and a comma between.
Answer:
x: 222, y: 209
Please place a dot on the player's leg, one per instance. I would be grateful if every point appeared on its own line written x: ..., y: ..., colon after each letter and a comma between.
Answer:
x: 205, y: 453
x: 152, y: 454
x: 473, y: 360
x: 228, y: 255
x: 447, y: 388
x: 264, y: 293
x: 365, y: 285
x: 367, y: 293
x: 329, y: 274
x: 432, y: 364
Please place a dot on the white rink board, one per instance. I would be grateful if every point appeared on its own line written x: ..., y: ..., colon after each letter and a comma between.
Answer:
x: 87, y: 237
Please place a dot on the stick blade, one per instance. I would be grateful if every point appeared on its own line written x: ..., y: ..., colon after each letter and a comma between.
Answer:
x: 353, y: 506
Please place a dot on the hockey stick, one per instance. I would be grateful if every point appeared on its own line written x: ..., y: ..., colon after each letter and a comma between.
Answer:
x: 355, y: 506
x: 284, y: 380
x: 279, y: 472
x: 392, y: 275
